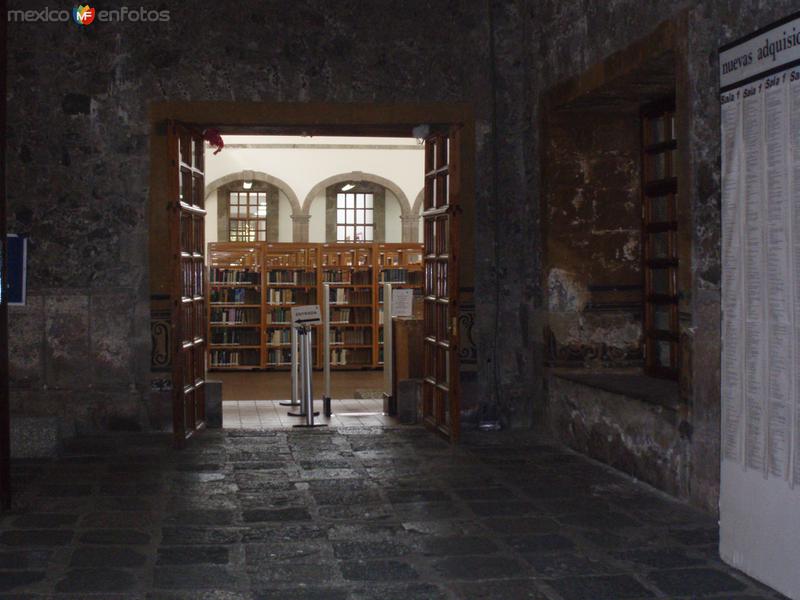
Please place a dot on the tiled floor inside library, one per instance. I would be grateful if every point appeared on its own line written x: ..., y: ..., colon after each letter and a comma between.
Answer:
x: 252, y: 400
x: 270, y: 414
x: 349, y: 514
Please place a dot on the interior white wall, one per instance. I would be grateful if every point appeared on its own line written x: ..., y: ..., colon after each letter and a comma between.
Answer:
x: 394, y: 226
x: 284, y: 218
x: 302, y: 162
x: 316, y: 224
x: 211, y: 218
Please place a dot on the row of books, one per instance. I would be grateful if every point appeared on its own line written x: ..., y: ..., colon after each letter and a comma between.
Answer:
x: 235, y: 358
x: 279, y: 315
x: 298, y: 258
x: 242, y: 337
x: 233, y: 276
x: 235, y: 296
x: 347, y: 276
x: 361, y: 259
x: 235, y: 315
x: 276, y: 337
x: 292, y: 277
x: 276, y: 296
x: 348, y: 296
x: 343, y: 356
x: 358, y: 336
x: 351, y: 315
x: 279, y: 356
x: 393, y: 276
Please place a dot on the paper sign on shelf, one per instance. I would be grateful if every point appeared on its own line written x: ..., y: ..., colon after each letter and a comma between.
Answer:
x: 403, y: 302
x: 306, y: 315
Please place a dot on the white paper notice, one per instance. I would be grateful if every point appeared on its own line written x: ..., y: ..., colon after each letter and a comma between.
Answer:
x: 403, y: 302
x: 760, y: 298
x: 761, y: 274
x: 732, y: 339
x: 794, y: 202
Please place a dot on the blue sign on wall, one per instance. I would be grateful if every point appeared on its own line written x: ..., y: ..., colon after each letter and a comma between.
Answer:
x: 17, y: 268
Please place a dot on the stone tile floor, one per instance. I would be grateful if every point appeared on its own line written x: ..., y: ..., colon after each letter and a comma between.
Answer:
x: 270, y: 414
x: 349, y: 514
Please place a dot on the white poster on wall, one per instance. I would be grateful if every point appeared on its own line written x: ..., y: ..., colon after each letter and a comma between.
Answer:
x: 760, y: 387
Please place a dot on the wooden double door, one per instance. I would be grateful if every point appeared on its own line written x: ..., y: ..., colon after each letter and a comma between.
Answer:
x: 187, y: 241
x: 441, y: 210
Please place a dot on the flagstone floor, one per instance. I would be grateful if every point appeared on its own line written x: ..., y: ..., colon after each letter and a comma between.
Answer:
x: 352, y: 513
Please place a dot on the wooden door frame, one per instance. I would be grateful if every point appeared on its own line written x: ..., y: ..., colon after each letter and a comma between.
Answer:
x: 372, y: 120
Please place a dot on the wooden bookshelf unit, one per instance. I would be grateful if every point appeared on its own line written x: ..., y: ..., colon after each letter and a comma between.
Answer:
x: 400, y: 265
x: 235, y: 315
x: 252, y: 287
x: 290, y: 278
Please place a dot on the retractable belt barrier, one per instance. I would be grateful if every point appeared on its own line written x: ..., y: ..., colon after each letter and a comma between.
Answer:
x: 295, y: 401
x: 306, y: 365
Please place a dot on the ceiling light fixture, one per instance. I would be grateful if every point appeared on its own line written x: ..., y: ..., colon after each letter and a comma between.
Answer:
x: 347, y: 187
x: 247, y: 185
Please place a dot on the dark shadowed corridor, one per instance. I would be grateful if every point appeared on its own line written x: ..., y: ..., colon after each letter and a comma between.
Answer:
x: 350, y: 514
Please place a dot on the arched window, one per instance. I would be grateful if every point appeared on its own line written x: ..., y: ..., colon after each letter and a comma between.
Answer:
x: 355, y: 217
x: 356, y: 212
x: 247, y: 215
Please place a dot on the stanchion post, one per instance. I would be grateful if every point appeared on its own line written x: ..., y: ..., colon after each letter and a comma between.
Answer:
x: 295, y: 401
x: 307, y: 364
x: 387, y: 347
x: 302, y: 362
x: 326, y: 348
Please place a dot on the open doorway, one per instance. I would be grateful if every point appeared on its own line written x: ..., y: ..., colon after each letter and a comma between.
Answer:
x: 302, y: 220
x: 180, y: 287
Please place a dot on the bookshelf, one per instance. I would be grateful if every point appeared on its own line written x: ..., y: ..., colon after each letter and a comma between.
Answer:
x: 290, y: 278
x: 253, y: 286
x: 400, y: 265
x: 350, y: 271
x: 234, y: 307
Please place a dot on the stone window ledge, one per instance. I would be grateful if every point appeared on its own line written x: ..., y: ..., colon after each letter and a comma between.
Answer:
x: 631, y: 384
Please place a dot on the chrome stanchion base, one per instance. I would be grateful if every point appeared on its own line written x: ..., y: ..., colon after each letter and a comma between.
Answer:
x: 311, y: 426
x: 289, y: 403
x: 291, y: 414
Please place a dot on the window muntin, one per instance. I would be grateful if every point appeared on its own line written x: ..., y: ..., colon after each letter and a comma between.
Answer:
x: 247, y: 217
x: 355, y: 216
x: 659, y: 239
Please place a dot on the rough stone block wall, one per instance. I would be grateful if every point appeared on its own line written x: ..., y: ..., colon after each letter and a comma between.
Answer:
x: 78, y: 149
x: 77, y: 145
x: 641, y: 439
x: 567, y: 37
x: 593, y: 226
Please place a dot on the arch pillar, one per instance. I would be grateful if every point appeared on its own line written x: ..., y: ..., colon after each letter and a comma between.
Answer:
x: 410, y: 228
x: 300, y: 228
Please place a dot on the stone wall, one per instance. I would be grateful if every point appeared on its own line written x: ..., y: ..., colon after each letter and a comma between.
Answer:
x: 631, y: 434
x: 593, y: 230
x: 566, y: 38
x: 78, y: 149
x: 77, y: 142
